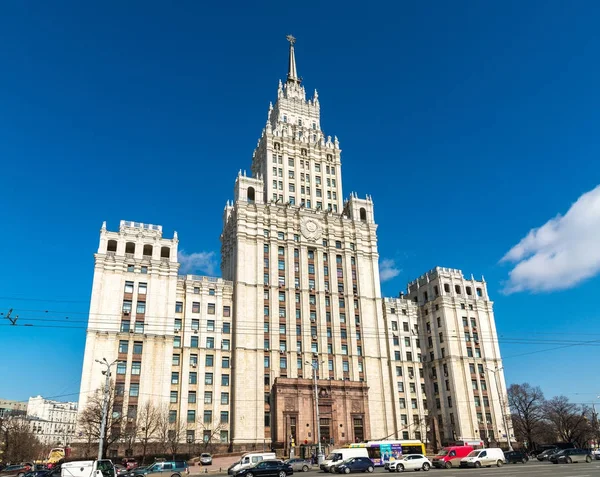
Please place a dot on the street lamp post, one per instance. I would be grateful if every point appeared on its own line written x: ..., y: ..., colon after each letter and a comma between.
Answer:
x: 502, y: 410
x: 315, y: 367
x: 104, y: 362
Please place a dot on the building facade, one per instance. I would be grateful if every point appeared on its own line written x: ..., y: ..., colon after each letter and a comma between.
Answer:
x: 233, y: 357
x: 12, y: 408
x: 53, y: 422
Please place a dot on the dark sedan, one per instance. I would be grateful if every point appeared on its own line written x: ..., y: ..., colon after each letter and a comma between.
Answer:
x: 267, y: 468
x: 18, y: 470
x: 514, y: 457
x: 568, y: 456
x: 356, y: 464
x: 545, y: 454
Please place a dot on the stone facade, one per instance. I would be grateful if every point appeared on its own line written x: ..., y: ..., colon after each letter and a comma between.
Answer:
x: 53, y: 422
x: 233, y: 357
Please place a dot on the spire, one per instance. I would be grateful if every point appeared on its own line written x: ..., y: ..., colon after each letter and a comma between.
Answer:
x: 292, y: 76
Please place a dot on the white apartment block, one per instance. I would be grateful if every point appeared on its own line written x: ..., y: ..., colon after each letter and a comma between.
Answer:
x: 233, y: 357
x: 53, y: 422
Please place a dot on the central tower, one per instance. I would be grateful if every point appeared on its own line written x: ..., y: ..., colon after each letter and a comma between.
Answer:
x: 304, y: 264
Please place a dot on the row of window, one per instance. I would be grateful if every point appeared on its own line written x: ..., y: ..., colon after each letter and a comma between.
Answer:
x: 142, y: 287
x: 207, y: 418
x: 411, y: 371
x: 305, y: 203
x: 195, y: 325
x: 140, y: 308
x: 143, y: 269
x: 457, y: 290
x: 210, y: 343
x: 138, y: 347
x: 413, y: 403
x: 208, y: 397
x: 409, y: 356
x: 313, y: 330
x: 209, y: 360
x: 210, y: 308
x: 138, y: 326
x: 111, y: 246
x: 314, y: 348
x: 300, y: 364
x: 278, y: 172
x: 412, y: 387
x: 193, y: 378
x: 278, y: 159
x: 311, y: 252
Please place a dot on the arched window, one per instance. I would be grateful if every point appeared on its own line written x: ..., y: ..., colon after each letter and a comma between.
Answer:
x: 251, y: 195
x: 112, y: 246
x: 165, y: 252
x: 129, y: 247
x: 147, y: 250
x: 363, y: 214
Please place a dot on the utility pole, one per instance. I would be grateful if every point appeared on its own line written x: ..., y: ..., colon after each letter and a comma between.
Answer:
x: 104, y: 404
x: 315, y: 367
x: 500, y: 396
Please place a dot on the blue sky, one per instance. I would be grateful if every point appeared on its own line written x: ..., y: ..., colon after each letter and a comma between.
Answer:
x: 469, y: 123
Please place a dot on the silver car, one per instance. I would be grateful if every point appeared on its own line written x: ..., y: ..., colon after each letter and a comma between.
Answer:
x: 299, y: 464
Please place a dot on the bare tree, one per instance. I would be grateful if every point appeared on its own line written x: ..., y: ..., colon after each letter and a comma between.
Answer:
x: 527, y: 405
x: 170, y: 431
x: 211, y: 435
x: 148, y: 421
x: 90, y: 420
x: 18, y: 443
x: 570, y: 421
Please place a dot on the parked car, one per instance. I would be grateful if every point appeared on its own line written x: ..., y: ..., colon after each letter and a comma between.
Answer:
x: 130, y: 463
x: 121, y: 470
x: 514, y: 457
x: 554, y: 452
x: 248, y: 460
x: 546, y: 453
x: 450, y: 457
x: 175, y: 468
x: 17, y: 470
x: 299, y: 464
x: 484, y: 458
x: 337, y: 456
x: 568, y: 456
x: 356, y: 464
x: 205, y: 458
x: 267, y: 468
x: 596, y: 454
x: 410, y: 462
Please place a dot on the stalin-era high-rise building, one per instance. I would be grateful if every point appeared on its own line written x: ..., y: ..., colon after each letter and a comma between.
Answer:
x: 231, y: 359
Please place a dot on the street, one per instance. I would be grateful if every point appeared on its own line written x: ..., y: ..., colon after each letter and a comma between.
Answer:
x: 533, y: 467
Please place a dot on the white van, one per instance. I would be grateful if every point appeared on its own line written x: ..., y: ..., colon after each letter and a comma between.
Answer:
x: 248, y: 460
x: 484, y: 458
x: 88, y: 468
x: 337, y: 456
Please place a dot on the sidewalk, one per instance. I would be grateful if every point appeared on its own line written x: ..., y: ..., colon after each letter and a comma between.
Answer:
x: 219, y: 466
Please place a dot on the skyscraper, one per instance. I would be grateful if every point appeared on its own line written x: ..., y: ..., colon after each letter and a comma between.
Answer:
x: 231, y: 359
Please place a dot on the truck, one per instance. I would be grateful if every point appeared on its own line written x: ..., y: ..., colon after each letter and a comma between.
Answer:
x: 88, y: 468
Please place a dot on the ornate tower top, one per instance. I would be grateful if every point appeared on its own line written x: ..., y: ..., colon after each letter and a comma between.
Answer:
x: 292, y: 76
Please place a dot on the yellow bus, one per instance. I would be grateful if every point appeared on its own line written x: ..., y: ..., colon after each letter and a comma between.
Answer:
x: 382, y: 452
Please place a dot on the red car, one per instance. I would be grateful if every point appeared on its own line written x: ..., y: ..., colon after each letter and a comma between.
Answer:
x: 18, y: 470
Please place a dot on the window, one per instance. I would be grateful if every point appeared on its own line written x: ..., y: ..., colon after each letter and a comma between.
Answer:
x: 193, y: 377
x: 226, y: 311
x: 175, y: 377
x: 209, y: 360
x: 178, y: 307
x: 397, y: 356
x: 134, y: 389
x: 195, y: 324
x: 173, y: 397
x: 194, y: 342
x: 225, y: 345
x: 345, y: 366
x: 225, y: 362
x: 224, y: 417
x: 127, y: 306
x: 224, y: 398
x: 123, y: 346
x: 283, y: 362
x: 225, y: 380
x: 136, y: 367
x: 398, y: 371
x: 130, y: 268
x: 195, y: 307
x: 226, y: 328
x: 121, y: 367
x: 125, y: 326
x: 192, y: 397
x: 474, y: 384
x: 139, y: 326
x: 142, y: 288
x: 207, y: 417
x: 402, y: 403
x: 128, y: 287
x: 211, y: 309
x: 208, y: 378
x: 210, y: 325
x: 210, y: 342
x: 191, y: 416
x: 144, y: 269
x: 344, y: 349
x: 207, y: 397
x: 141, y: 307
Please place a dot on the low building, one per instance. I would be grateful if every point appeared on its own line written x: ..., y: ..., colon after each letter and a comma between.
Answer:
x: 53, y: 422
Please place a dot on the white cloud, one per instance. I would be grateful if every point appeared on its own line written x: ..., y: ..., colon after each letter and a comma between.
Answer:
x: 388, y: 269
x: 197, y: 262
x: 561, y: 253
